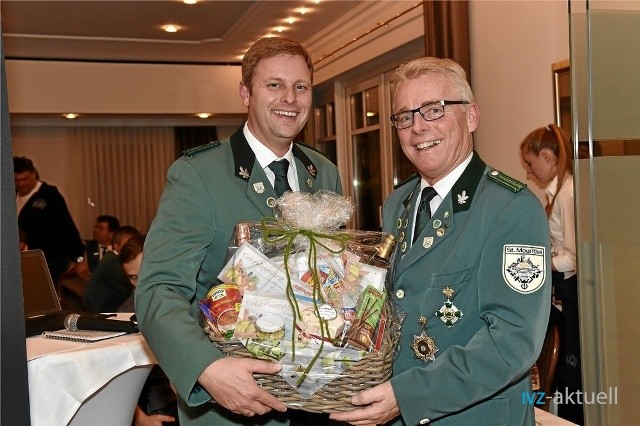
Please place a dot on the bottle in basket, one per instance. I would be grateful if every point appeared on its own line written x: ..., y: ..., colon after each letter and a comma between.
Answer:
x: 383, y: 251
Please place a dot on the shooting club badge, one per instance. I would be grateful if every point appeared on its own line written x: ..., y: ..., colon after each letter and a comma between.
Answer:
x: 448, y: 313
x: 523, y: 267
x: 424, y: 347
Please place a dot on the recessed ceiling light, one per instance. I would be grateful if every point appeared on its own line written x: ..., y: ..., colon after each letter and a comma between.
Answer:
x: 189, y: 1
x: 290, y: 20
x: 204, y: 114
x: 171, y: 28
x: 70, y: 116
x: 279, y: 29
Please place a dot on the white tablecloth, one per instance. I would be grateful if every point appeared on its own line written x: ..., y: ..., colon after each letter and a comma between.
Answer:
x: 62, y: 374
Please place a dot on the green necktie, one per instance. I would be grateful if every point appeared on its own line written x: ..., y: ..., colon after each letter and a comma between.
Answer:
x: 424, y: 211
x: 281, y: 183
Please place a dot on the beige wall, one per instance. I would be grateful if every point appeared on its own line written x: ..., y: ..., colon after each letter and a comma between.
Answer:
x: 513, y: 44
x: 112, y: 88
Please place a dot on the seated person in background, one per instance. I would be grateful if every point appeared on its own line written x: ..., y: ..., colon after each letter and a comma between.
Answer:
x: 103, y: 232
x: 131, y: 258
x: 109, y: 285
x: 157, y: 403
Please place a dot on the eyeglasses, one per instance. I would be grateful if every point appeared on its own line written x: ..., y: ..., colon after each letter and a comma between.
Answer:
x: 431, y: 111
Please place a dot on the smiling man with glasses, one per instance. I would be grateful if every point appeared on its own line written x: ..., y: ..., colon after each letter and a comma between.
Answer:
x: 471, y: 270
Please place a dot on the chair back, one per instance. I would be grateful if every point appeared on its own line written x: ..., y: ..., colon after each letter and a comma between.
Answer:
x: 544, y: 370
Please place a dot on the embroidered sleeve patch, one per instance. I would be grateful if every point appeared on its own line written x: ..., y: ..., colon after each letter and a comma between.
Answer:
x: 523, y: 267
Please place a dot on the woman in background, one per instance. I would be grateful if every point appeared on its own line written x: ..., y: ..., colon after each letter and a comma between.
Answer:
x: 547, y: 154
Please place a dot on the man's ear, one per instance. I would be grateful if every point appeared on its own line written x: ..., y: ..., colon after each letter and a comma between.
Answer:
x: 244, y: 94
x: 473, y: 116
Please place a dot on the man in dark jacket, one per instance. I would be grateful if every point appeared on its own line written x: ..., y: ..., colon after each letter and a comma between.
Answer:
x: 45, y: 219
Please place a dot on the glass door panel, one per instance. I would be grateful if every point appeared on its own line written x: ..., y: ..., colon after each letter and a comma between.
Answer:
x: 367, y: 184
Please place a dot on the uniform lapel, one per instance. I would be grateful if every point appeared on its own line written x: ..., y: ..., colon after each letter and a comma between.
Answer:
x: 306, y: 169
x: 246, y: 168
x: 443, y: 221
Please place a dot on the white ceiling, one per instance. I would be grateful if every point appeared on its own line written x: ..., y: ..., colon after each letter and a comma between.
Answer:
x: 215, y: 32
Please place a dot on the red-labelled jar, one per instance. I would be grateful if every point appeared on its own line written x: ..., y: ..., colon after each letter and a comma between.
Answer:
x: 224, y: 304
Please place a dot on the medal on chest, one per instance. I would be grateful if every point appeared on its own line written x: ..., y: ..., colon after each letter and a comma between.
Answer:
x: 448, y: 313
x: 424, y: 347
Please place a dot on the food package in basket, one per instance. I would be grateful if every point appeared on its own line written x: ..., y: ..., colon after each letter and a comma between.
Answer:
x: 299, y: 290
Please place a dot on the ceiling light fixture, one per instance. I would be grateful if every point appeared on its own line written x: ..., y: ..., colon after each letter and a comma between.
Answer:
x: 302, y: 10
x: 204, y: 114
x: 171, y: 28
x: 279, y: 29
x: 290, y: 20
x: 189, y: 1
x: 70, y: 115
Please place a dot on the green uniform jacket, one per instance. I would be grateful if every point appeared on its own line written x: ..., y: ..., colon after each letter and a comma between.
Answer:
x: 208, y: 190
x: 490, y: 245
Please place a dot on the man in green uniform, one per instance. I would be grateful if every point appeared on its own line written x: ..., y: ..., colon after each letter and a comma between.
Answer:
x: 208, y: 190
x: 472, y: 268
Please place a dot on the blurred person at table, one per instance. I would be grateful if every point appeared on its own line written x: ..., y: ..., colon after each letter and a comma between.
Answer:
x: 208, y: 191
x: 109, y: 285
x: 45, y: 219
x: 130, y: 256
x: 471, y: 273
x: 102, y: 241
x: 157, y: 403
x: 546, y: 152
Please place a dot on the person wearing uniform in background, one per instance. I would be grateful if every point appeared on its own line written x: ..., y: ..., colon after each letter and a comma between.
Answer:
x: 208, y: 191
x: 44, y: 218
x: 102, y: 240
x: 546, y: 153
x: 471, y: 268
x: 109, y: 285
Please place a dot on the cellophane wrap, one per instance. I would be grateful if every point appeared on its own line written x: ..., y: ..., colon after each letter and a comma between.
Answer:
x: 312, y: 295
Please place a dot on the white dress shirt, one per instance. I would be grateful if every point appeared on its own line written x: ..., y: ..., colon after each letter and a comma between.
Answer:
x: 265, y: 157
x: 562, y: 227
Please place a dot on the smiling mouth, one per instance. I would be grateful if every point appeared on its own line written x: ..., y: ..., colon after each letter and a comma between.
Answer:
x: 286, y: 113
x: 428, y: 144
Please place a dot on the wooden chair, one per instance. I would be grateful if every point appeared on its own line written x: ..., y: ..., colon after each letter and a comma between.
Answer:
x: 544, y: 370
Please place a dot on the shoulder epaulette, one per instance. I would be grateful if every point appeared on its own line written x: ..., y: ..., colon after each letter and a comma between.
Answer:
x: 313, y: 148
x: 508, y: 182
x: 189, y: 152
x: 409, y: 179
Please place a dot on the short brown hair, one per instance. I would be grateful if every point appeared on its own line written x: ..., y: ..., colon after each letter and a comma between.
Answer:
x: 266, y: 48
x: 132, y: 248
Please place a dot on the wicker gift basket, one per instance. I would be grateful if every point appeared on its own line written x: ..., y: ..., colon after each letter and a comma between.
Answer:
x: 280, y: 268
x: 373, y: 369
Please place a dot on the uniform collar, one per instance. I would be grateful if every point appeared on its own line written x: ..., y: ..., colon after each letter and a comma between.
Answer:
x: 244, y: 158
x: 465, y: 187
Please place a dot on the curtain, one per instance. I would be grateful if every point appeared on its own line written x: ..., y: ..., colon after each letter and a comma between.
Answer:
x: 119, y: 171
x: 189, y: 137
x: 446, y: 31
